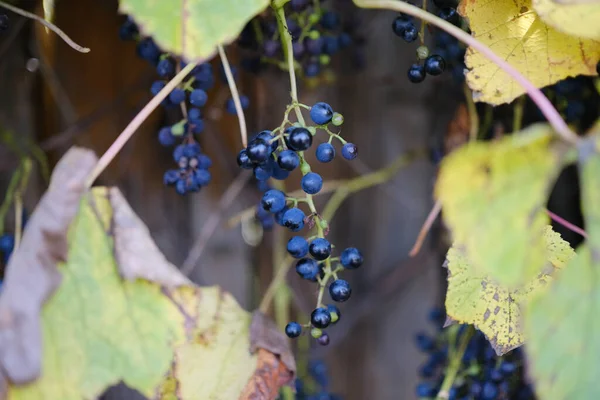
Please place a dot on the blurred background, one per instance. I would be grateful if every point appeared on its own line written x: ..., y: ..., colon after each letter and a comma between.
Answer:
x: 52, y: 98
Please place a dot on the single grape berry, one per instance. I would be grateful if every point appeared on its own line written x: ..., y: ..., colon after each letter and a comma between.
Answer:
x: 490, y: 391
x: 288, y: 160
x: 324, y: 341
x: 320, y: 249
x: 422, y: 52
x: 165, y: 137
x: 293, y: 219
x: 177, y: 96
x: 299, y: 139
x: 321, y: 113
x: 293, y: 330
x: 258, y: 151
x: 308, y: 269
x: 202, y: 177
x: 325, y: 152
x: 400, y: 24
x: 170, y: 177
x: 243, y: 160
x: 165, y: 68
x: 320, y: 318
x: 316, y: 333
x: 349, y: 151
x: 351, y: 258
x: 410, y: 34
x: 424, y: 342
x: 7, y: 243
x: 416, y: 73
x: 435, y: 65
x: 340, y: 290
x: 267, y: 136
x: 198, y: 98
x: 449, y: 14
x: 263, y: 172
x: 273, y: 201
x: 425, y: 389
x: 156, y: 87
x: 312, y: 183
x: 334, y: 312
x: 297, y: 247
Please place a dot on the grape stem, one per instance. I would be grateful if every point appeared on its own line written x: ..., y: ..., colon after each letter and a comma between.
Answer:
x: 235, y: 94
x: 135, y: 123
x: 286, y: 42
x: 47, y: 24
x: 26, y: 165
x: 454, y: 365
x: 10, y: 195
x: 567, y: 224
x: 545, y: 106
x: 433, y: 214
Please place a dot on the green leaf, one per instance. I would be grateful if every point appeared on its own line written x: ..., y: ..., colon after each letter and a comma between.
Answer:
x: 474, y: 298
x: 513, y: 30
x: 493, y: 197
x: 192, y: 28
x: 99, y: 329
x: 563, y: 324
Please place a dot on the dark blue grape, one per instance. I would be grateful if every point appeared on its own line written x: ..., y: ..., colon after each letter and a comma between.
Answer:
x: 194, y: 114
x: 308, y: 269
x: 400, y: 24
x: 293, y: 219
x: 263, y: 172
x: 273, y: 201
x: 157, y: 87
x: 297, y: 246
x: 351, y: 258
x: 435, y: 65
x: 349, y: 151
x: 312, y: 183
x: 204, y: 162
x: 299, y: 139
x: 416, y: 73
x: 321, y: 113
x: 293, y: 330
x: 271, y: 47
x: 243, y: 160
x: 325, y: 152
x: 177, y: 96
x: 449, y: 14
x: 323, y: 340
x: 298, y: 49
x: 330, y: 20
x: 320, y: 249
x: 410, y: 34
x: 312, y: 69
x: 165, y: 68
x: 165, y: 137
x: 314, y: 46
x: 330, y: 45
x: 425, y: 389
x: 424, y: 342
x: 198, y: 98
x: 192, y: 149
x: 489, y: 392
x: 340, y: 290
x: 288, y: 160
x: 7, y: 243
x: 202, y: 177
x: 258, y: 151
x: 148, y: 50
x: 128, y: 31
x: 344, y: 40
x: 320, y: 318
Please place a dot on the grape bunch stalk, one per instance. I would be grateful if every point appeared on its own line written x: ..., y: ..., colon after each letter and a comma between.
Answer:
x: 275, y: 153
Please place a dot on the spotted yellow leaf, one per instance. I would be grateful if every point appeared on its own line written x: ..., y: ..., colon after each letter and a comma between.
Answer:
x: 515, y: 32
x: 493, y: 196
x: 474, y: 298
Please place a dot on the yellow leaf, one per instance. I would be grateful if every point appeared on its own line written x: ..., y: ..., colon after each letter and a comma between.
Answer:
x: 573, y: 19
x: 474, y: 298
x: 563, y: 323
x: 513, y: 30
x: 99, y: 329
x: 493, y: 197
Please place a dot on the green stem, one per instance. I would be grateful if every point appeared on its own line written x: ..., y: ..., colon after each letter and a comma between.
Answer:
x: 473, y: 116
x: 286, y: 43
x: 518, y: 110
x: 423, y: 24
x: 545, y: 106
x: 455, y: 364
x: 47, y: 24
x: 10, y: 195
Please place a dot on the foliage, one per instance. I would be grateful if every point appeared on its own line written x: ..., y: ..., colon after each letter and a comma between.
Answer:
x: 494, y: 309
x: 481, y: 190
x: 575, y: 19
x: 516, y: 33
x: 562, y: 323
x: 192, y: 28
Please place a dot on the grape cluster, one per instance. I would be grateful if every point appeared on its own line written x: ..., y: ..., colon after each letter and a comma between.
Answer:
x: 482, y: 375
x: 317, y: 35
x: 274, y: 154
x: 316, y: 384
x: 192, y: 171
x: 428, y: 63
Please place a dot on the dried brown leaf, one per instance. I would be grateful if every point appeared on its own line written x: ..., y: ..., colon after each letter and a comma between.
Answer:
x: 31, y: 275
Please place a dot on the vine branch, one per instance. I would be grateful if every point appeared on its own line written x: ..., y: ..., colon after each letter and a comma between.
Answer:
x: 135, y: 123
x: 545, y: 106
x: 235, y: 94
x: 47, y: 24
